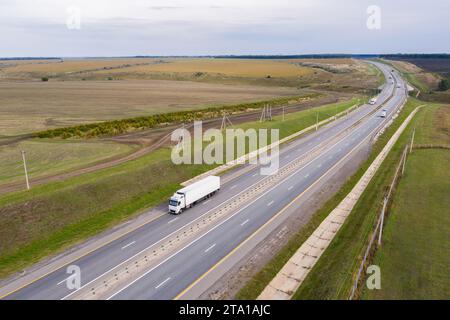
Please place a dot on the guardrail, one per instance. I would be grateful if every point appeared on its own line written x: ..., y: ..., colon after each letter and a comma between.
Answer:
x: 293, y: 273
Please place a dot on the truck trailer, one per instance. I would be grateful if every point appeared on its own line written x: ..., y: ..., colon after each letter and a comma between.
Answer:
x: 190, y: 195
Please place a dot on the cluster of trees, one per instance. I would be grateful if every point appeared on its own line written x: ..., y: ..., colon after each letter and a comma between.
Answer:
x: 115, y: 127
x: 416, y: 56
x: 444, y: 85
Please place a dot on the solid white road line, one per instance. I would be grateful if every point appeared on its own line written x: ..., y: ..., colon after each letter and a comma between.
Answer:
x: 244, y: 222
x: 162, y: 283
x: 210, y: 247
x: 127, y: 245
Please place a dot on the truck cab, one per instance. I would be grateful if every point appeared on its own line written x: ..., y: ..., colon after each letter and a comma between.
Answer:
x: 193, y: 193
x: 177, y: 203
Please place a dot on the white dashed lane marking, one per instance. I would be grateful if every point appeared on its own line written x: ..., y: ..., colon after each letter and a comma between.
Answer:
x: 210, y: 247
x: 162, y: 283
x: 244, y: 222
x: 127, y: 245
x: 173, y: 220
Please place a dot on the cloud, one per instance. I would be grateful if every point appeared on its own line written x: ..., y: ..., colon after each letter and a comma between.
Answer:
x: 114, y: 27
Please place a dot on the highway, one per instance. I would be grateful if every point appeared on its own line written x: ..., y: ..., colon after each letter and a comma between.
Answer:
x: 221, y: 230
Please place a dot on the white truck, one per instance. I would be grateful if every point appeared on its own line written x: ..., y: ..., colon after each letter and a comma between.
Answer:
x: 188, y: 196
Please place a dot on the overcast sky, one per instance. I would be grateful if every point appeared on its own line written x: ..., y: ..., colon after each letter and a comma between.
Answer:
x: 202, y: 27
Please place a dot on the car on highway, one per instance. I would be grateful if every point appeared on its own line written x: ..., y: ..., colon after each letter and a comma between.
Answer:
x: 383, y: 113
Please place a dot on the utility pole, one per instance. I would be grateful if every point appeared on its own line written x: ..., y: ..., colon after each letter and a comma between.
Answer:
x: 412, y: 140
x: 283, y: 113
x: 382, y: 220
x: 25, y: 168
x: 317, y: 121
x: 181, y: 138
x: 225, y: 120
x: 263, y: 113
x: 405, y: 152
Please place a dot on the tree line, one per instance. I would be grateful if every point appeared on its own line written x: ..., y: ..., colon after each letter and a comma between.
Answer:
x: 115, y: 127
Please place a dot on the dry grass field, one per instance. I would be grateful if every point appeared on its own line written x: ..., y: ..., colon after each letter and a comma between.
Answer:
x: 29, y: 69
x: 227, y: 67
x: 33, y: 106
x: 418, y: 77
x: 325, y: 74
x: 426, y: 80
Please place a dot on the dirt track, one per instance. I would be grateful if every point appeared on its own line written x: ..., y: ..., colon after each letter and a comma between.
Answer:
x: 153, y: 139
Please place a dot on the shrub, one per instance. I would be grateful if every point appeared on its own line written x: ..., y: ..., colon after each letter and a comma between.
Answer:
x: 444, y: 85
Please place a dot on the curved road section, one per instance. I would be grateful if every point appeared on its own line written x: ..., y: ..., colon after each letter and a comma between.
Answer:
x: 183, y: 256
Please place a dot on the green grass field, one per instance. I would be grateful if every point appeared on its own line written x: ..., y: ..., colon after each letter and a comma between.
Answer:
x: 414, y: 256
x: 51, y: 217
x: 333, y: 274
x: 325, y: 282
x: 47, y: 157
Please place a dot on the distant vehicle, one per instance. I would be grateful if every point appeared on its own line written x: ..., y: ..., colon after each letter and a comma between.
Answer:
x: 373, y: 101
x: 188, y: 196
x: 399, y: 86
x: 383, y: 113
